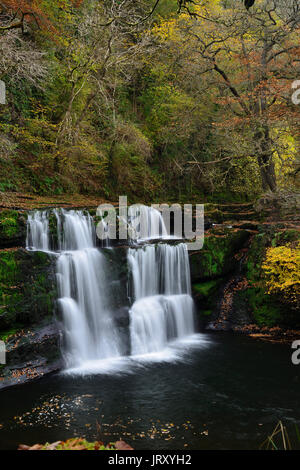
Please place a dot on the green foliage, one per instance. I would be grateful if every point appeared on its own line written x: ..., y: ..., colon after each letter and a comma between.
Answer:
x: 5, y: 335
x: 282, y: 271
x: 115, y: 109
x: 272, y: 271
x: 26, y: 291
x: 265, y: 310
x: 8, y: 223
x: 206, y: 289
x: 216, y: 259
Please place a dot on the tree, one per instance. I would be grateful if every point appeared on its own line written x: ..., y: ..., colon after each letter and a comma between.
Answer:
x: 21, y: 14
x: 111, y: 38
x: 248, y: 60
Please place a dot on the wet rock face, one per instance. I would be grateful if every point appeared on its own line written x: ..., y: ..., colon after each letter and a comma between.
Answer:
x: 27, y: 287
x: 217, y: 257
x: 27, y: 326
x: 31, y: 353
x: 239, y: 296
x: 117, y: 273
x: 212, y: 267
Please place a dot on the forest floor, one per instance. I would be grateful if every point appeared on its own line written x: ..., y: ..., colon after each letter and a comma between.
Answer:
x: 22, y: 201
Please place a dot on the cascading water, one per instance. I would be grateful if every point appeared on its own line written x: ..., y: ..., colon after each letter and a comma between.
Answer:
x: 38, y: 231
x: 145, y: 223
x: 160, y: 269
x: 157, y: 320
x: 90, y: 333
x: 75, y: 230
x: 163, y: 310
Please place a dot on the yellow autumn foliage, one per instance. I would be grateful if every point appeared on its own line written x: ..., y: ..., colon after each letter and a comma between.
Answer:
x: 282, y: 270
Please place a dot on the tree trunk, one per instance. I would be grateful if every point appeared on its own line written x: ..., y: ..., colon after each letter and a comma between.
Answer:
x: 265, y: 159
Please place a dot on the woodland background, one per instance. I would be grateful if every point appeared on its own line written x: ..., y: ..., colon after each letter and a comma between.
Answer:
x: 160, y: 100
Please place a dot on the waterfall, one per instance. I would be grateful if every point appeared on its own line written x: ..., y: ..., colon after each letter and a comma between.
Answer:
x: 159, y: 319
x: 145, y: 223
x: 163, y: 310
x: 75, y: 230
x: 160, y: 269
x: 38, y: 231
x: 90, y: 333
x: 144, y: 271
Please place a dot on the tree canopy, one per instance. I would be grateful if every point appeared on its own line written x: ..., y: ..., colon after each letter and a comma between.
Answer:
x: 179, y: 99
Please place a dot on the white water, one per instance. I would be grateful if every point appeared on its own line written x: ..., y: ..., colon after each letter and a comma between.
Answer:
x: 75, y: 230
x: 38, y: 231
x: 90, y: 333
x: 163, y: 310
x: 160, y: 269
x: 158, y: 320
x: 145, y: 223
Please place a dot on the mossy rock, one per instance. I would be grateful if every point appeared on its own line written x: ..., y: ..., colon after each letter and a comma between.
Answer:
x: 217, y: 257
x: 205, y: 295
x: 27, y: 287
x: 285, y: 205
x: 118, y: 274
x: 266, y: 310
x: 12, y: 228
x: 214, y: 215
x: 206, y: 289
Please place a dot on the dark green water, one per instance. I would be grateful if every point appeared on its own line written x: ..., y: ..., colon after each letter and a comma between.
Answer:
x: 227, y: 395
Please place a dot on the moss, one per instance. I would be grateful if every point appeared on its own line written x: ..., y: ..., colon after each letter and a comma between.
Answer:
x: 267, y: 315
x: 52, y: 223
x: 255, y: 257
x: 12, y: 228
x: 206, y: 288
x: 263, y: 308
x: 39, y: 257
x: 267, y: 310
x: 217, y: 257
x: 8, y: 274
x: 205, y: 295
x: 9, y: 223
x: 206, y: 313
x: 27, y: 288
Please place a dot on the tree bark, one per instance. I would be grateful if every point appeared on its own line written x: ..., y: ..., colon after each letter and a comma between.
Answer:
x: 265, y: 159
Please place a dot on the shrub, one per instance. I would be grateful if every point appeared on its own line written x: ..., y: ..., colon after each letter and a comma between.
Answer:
x: 282, y: 270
